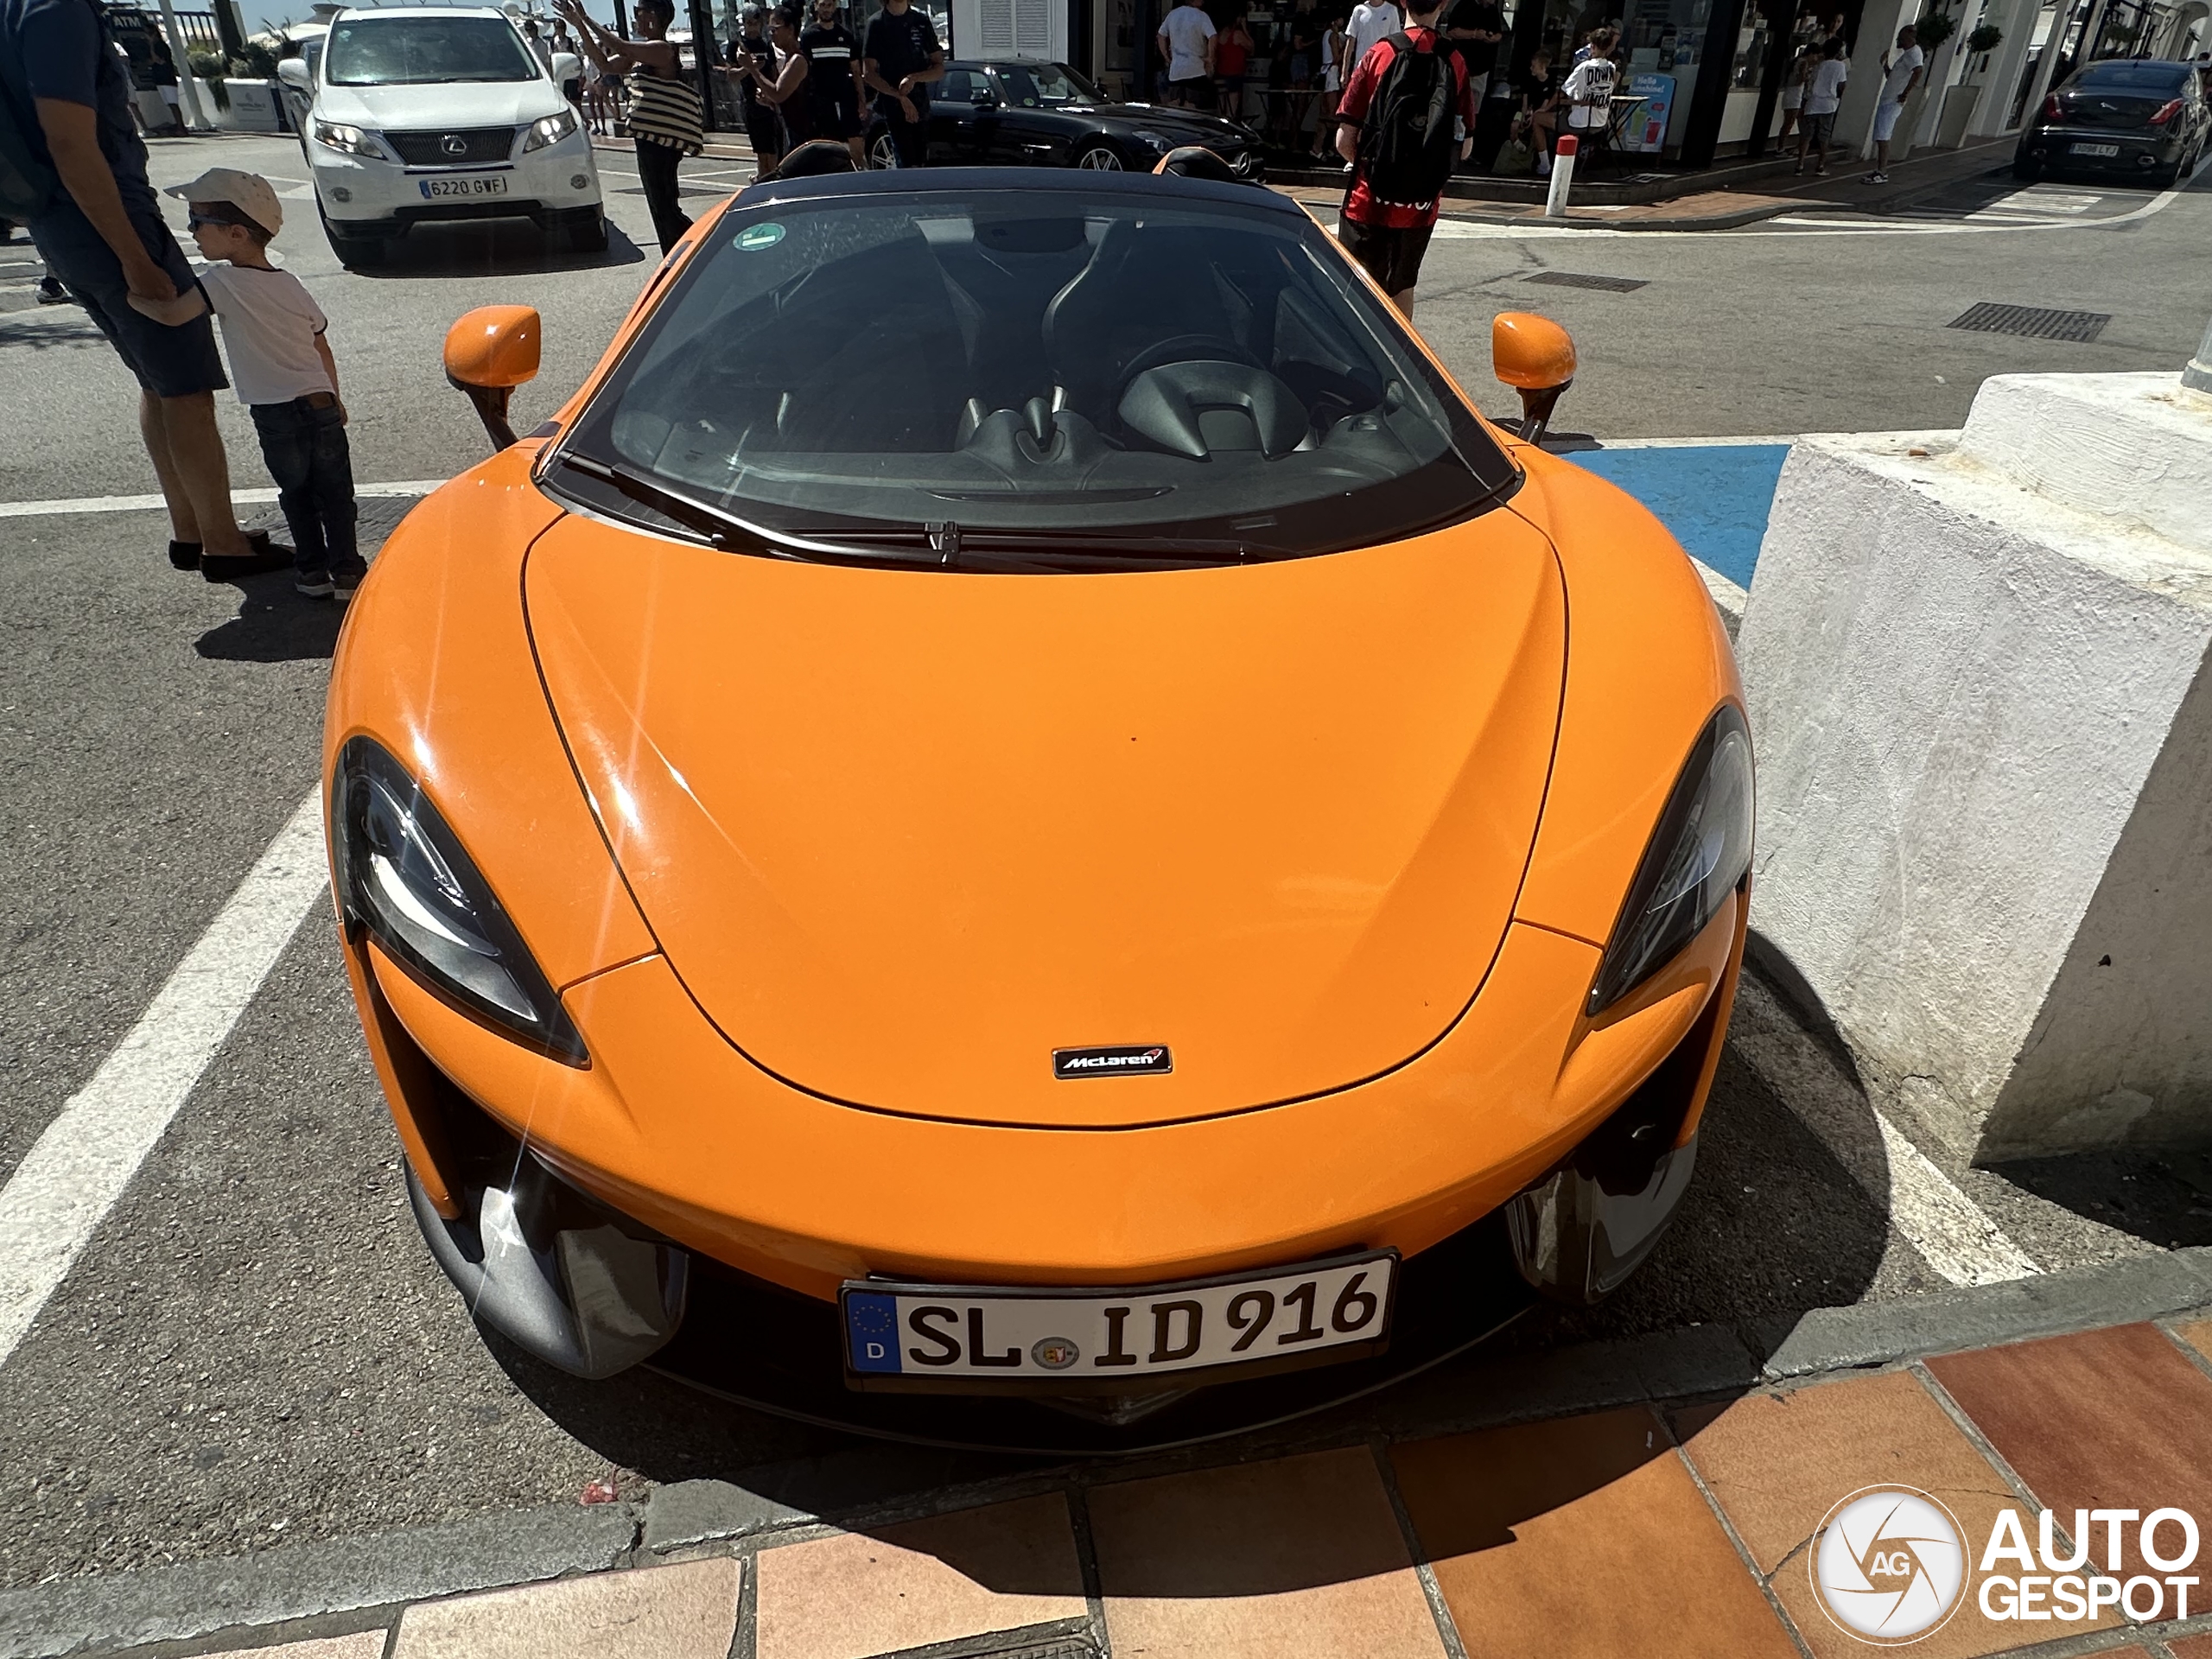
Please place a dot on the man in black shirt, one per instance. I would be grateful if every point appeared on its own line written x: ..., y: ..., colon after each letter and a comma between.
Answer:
x: 754, y: 62
x: 903, y: 57
x: 1476, y: 27
x: 833, y: 71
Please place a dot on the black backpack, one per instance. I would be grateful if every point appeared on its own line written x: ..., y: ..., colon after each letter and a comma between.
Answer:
x: 1407, y: 144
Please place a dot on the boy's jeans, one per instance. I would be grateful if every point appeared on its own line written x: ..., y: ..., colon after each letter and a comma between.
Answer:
x: 304, y: 444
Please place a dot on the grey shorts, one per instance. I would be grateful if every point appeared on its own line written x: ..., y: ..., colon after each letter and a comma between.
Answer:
x: 1820, y: 129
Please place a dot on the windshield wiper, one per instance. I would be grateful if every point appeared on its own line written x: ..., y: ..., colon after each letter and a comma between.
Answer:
x: 957, y: 544
x: 723, y: 530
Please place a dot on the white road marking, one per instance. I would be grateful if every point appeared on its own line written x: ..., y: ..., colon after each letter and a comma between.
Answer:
x: 140, y: 503
x: 1950, y: 1229
x: 79, y: 1166
x: 1808, y: 224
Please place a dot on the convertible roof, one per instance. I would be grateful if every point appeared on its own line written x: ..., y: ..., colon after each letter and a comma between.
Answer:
x: 1076, y: 184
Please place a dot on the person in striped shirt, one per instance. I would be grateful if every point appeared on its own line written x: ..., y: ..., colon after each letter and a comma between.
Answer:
x: 664, y: 115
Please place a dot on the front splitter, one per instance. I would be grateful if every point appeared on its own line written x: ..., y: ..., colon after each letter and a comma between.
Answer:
x: 779, y: 1353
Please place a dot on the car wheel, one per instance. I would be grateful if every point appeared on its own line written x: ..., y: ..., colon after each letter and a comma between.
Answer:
x: 355, y: 253
x: 2027, y: 171
x: 1099, y: 158
x: 586, y: 235
x: 882, y: 152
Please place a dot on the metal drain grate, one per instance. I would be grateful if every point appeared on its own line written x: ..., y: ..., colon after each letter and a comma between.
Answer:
x: 2033, y: 322
x: 1570, y: 279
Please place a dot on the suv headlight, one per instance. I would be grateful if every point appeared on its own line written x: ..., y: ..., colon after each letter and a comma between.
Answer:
x: 1698, y: 855
x: 353, y: 140
x: 402, y: 875
x: 550, y: 130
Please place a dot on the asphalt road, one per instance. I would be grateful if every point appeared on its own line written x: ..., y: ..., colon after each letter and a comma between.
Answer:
x: 255, y: 1348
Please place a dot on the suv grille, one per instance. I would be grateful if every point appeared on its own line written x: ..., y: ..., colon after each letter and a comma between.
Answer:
x: 470, y: 146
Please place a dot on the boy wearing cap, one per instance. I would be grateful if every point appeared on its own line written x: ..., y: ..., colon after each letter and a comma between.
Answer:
x: 280, y: 362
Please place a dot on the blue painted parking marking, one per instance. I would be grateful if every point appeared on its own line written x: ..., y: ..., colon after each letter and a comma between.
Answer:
x: 1715, y: 497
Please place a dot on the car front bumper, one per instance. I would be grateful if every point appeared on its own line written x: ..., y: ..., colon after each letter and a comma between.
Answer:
x: 1511, y: 1107
x: 541, y: 184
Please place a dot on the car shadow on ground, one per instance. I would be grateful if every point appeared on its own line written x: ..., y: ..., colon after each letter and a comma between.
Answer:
x: 1774, y: 1226
x: 500, y: 247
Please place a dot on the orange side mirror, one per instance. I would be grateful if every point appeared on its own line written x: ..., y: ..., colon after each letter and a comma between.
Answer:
x: 1535, y: 357
x: 489, y: 352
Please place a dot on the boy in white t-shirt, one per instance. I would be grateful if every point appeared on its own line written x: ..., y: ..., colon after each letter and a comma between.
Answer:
x: 1823, y: 97
x: 1186, y: 42
x: 282, y: 366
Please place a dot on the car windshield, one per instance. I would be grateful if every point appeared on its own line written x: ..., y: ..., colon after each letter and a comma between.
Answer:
x: 1045, y: 86
x: 402, y: 51
x: 1141, y: 369
x: 2133, y: 78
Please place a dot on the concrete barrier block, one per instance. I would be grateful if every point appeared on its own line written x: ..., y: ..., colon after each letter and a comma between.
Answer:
x: 1984, y: 727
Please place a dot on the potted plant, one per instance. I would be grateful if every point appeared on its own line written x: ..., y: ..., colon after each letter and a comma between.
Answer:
x: 254, y: 96
x: 207, y: 70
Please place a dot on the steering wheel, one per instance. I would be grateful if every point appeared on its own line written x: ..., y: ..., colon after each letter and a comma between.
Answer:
x: 1184, y: 348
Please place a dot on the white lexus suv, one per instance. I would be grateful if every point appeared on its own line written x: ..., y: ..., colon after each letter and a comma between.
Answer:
x: 443, y: 113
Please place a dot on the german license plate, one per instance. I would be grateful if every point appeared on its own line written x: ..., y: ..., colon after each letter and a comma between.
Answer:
x: 492, y: 184
x: 2095, y: 150
x: 969, y: 1339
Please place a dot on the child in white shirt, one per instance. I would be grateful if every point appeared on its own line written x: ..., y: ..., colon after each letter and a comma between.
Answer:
x: 273, y: 333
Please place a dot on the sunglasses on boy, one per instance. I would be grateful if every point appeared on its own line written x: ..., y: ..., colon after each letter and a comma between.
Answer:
x: 218, y: 213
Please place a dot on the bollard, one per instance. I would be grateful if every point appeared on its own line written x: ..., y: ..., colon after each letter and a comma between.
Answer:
x: 1562, y: 176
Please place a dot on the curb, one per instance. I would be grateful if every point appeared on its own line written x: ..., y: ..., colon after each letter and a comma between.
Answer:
x: 315, y: 1586
x: 1728, y: 221
x: 337, y: 1576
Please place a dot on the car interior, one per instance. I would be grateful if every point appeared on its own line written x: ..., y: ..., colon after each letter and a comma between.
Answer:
x: 1037, y: 363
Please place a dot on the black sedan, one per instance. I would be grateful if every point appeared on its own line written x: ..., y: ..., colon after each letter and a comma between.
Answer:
x: 1024, y: 112
x: 2139, y: 118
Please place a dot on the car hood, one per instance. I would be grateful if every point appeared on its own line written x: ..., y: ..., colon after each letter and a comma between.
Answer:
x: 1158, y: 117
x: 443, y: 108
x: 904, y: 833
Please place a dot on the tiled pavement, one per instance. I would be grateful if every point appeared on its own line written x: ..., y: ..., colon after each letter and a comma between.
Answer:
x: 1675, y: 1527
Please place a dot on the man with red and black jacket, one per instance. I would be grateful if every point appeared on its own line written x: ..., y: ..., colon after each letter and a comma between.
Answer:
x: 1398, y: 176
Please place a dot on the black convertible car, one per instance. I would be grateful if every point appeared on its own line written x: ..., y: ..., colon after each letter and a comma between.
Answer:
x: 2140, y: 118
x: 1022, y: 112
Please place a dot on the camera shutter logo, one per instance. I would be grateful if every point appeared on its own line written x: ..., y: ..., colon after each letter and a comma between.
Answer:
x: 1889, y: 1565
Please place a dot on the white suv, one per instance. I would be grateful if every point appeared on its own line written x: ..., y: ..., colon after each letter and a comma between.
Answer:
x: 444, y: 112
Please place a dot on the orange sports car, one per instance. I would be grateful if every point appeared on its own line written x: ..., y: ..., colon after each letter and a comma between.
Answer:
x: 1019, y: 798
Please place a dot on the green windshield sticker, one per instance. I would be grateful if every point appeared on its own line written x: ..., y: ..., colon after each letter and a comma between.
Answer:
x: 753, y: 237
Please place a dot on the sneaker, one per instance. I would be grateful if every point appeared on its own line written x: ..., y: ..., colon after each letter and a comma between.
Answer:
x: 1878, y: 178
x: 315, y: 584
x: 51, y: 293
x: 342, y: 589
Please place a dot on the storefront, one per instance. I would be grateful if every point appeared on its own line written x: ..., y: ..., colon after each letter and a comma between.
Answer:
x: 1703, y: 78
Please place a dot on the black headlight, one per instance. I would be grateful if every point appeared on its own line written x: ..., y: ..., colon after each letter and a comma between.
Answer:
x: 1698, y: 855
x: 403, y: 877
